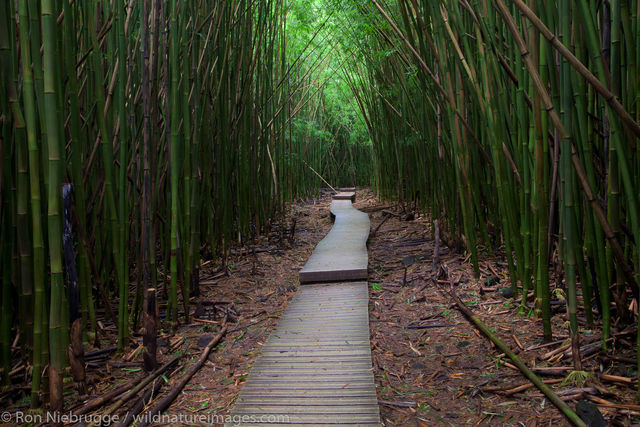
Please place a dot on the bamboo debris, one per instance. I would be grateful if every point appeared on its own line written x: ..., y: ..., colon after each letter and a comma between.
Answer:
x: 140, y: 404
x: 166, y: 401
x: 141, y: 385
x: 105, y: 397
x: 553, y: 397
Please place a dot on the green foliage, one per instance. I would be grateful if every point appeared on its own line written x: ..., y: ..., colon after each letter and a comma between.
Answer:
x: 329, y: 131
x: 576, y: 378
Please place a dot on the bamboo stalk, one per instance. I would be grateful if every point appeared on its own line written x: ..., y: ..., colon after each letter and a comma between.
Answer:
x: 57, y: 329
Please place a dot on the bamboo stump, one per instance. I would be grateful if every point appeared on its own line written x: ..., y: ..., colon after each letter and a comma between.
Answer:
x: 150, y: 328
x: 75, y: 351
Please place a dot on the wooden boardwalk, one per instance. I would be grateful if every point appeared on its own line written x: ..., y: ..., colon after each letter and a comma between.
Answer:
x: 315, y: 368
x: 342, y: 254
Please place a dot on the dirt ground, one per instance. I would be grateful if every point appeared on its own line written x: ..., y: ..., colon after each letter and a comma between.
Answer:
x: 431, y: 366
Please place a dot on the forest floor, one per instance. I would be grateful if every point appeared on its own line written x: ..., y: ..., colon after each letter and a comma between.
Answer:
x: 431, y: 366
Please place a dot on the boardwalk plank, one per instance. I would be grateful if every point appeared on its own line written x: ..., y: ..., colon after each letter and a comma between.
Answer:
x: 345, y: 195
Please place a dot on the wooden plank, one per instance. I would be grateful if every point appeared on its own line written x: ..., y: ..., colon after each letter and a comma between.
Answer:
x: 311, y: 394
x: 310, y: 423
x: 315, y: 368
x: 315, y: 352
x: 320, y: 369
x: 345, y: 195
x: 286, y: 389
x: 315, y: 338
x: 344, y: 375
x: 306, y: 404
x: 305, y: 383
x: 310, y: 384
x: 311, y: 343
x: 342, y: 254
x: 275, y: 424
x: 309, y: 419
x: 273, y: 345
x: 342, y: 409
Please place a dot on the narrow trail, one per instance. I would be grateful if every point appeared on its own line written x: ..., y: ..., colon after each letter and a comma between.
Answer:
x: 316, y: 369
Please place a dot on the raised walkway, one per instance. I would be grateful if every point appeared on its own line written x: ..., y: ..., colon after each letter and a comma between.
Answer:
x: 315, y: 368
x: 342, y: 254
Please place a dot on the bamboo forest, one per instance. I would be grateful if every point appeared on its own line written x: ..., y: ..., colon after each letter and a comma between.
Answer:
x: 319, y: 212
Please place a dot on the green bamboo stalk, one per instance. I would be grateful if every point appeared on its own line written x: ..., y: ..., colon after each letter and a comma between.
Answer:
x: 105, y: 136
x: 123, y: 292
x: 57, y: 330
x: 5, y: 303
x: 36, y: 208
x: 86, y: 307
x: 172, y: 310
x: 22, y: 180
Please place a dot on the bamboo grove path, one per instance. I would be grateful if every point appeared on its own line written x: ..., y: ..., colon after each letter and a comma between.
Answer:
x: 315, y: 368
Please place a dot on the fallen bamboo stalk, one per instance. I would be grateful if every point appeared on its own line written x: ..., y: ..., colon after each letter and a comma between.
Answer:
x: 554, y: 398
x: 104, y: 398
x: 140, y: 404
x: 429, y: 326
x: 140, y: 386
x: 100, y: 352
x: 375, y: 208
x: 527, y: 386
x: 209, y: 322
x: 314, y: 171
x: 602, y: 402
x: 517, y: 341
x: 380, y: 225
x: 558, y: 350
x: 398, y: 404
x: 545, y: 345
x: 387, y: 212
x: 571, y: 393
x: 552, y: 370
x: 436, y: 247
x: 587, y: 350
x: 616, y: 379
x: 173, y: 393
x: 544, y: 370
